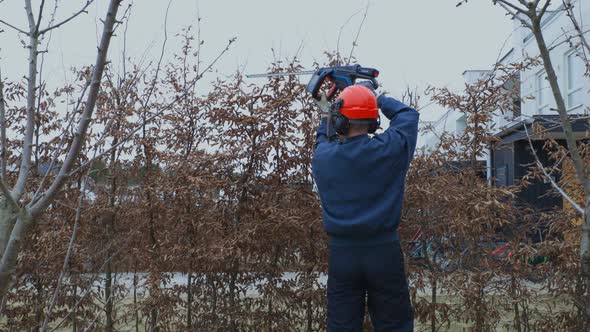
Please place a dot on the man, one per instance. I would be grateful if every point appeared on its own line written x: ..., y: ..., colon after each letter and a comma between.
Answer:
x: 361, y: 185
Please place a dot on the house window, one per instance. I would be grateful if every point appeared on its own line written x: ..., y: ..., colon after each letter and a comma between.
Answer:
x: 460, y: 125
x: 574, y: 79
x: 543, y: 94
x: 512, y: 88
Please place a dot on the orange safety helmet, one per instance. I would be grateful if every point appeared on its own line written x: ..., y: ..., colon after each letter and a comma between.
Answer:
x: 355, y: 104
x: 358, y: 102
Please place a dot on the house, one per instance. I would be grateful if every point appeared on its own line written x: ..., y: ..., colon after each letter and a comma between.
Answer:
x: 508, y: 161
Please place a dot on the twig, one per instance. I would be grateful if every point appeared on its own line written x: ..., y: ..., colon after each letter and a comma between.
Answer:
x: 198, y: 65
x: 340, y: 34
x: 507, y: 6
x: 3, y: 141
x: 76, y: 14
x: 540, y: 165
x: 187, y: 91
x: 162, y: 51
x: 61, y: 143
x: 68, y: 253
x: 358, y: 32
x: 124, y: 51
x: 581, y: 34
x: 554, y: 46
x: 13, y: 27
x: 516, y: 8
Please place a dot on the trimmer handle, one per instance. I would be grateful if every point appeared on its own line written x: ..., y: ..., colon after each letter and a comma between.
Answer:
x: 341, y: 76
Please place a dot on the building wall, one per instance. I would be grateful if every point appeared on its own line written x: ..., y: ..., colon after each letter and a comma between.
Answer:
x: 569, y: 68
x: 452, y: 121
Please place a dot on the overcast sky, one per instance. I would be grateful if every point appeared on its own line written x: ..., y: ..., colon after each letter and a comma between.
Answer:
x: 412, y: 42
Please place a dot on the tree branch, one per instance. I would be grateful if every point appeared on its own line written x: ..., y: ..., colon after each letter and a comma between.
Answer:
x: 25, y: 164
x: 548, y: 176
x: 3, y: 141
x: 186, y: 92
x: 553, y: 46
x: 86, y: 117
x: 162, y: 51
x: 581, y: 34
x: 514, y: 14
x: 340, y: 34
x: 61, y: 143
x: 41, y: 6
x: 73, y: 16
x: 358, y: 32
x: 13, y: 27
x: 544, y: 8
x: 516, y: 8
x: 8, y: 196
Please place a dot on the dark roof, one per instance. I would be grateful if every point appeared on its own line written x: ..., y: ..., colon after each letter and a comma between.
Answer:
x: 550, y: 122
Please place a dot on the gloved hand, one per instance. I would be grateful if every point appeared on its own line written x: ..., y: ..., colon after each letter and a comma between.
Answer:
x: 390, y: 106
x: 324, y: 105
x: 368, y: 84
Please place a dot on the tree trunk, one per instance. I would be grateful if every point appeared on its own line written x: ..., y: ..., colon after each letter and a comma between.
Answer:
x: 110, y: 232
x: 108, y: 293
x: 572, y: 146
x: 135, y: 281
x: 74, y: 308
x: 517, y: 319
x: 6, y: 224
x: 309, y: 304
x: 433, y: 305
x: 8, y: 262
x: 585, y: 257
x: 39, y: 303
x: 189, y: 299
x: 232, y: 295
x: 561, y: 108
x: 154, y: 280
x: 269, y: 314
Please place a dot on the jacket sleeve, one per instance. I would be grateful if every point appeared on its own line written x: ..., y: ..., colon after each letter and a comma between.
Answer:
x: 399, y: 140
x: 322, y: 134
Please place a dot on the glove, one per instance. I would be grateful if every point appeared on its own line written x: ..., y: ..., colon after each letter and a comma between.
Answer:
x: 390, y: 106
x: 368, y: 84
x: 324, y: 105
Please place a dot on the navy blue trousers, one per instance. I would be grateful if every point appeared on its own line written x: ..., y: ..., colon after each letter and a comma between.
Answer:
x: 370, y: 276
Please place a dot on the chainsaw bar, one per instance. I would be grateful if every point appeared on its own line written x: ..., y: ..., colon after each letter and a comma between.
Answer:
x: 294, y: 73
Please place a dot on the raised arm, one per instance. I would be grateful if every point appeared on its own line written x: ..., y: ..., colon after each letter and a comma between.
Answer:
x: 399, y: 140
x: 322, y: 134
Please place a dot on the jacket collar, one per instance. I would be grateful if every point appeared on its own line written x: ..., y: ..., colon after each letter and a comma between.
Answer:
x: 354, y: 138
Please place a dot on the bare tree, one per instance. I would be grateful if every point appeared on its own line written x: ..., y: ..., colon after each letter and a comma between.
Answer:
x: 19, y: 215
x: 531, y: 15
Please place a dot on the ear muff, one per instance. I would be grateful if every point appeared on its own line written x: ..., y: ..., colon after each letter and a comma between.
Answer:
x: 375, y: 124
x: 340, y: 123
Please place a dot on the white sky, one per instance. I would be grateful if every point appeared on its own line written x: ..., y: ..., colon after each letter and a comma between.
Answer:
x: 412, y: 42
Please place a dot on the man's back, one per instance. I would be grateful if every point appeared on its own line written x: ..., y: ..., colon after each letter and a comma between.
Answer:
x: 361, y: 179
